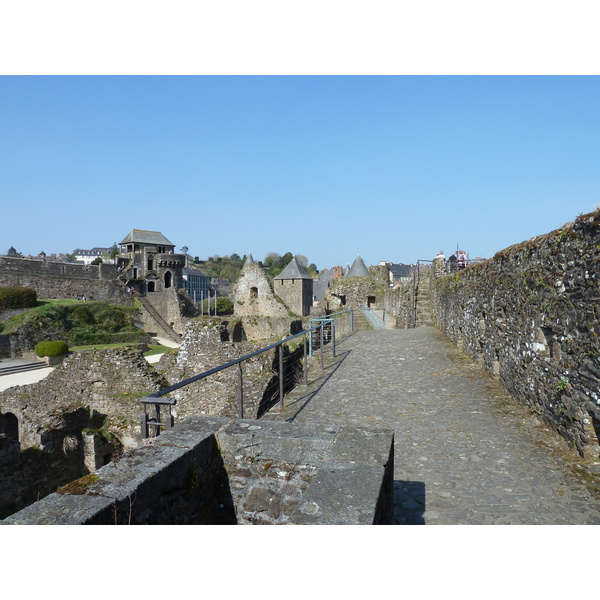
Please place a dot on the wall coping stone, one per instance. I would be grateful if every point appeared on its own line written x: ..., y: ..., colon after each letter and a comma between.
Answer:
x: 353, y: 482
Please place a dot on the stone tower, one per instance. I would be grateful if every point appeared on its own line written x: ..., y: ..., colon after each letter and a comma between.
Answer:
x: 147, y: 262
x: 295, y: 287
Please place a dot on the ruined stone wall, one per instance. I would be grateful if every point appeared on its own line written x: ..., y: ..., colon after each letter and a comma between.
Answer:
x: 253, y: 295
x: 531, y: 317
x: 62, y: 280
x: 354, y: 292
x: 399, y: 305
x: 166, y: 304
x: 75, y: 419
x: 205, y: 346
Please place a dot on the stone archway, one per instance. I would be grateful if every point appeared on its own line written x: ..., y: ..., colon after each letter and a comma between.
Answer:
x: 151, y: 286
x: 9, y: 426
x: 168, y: 279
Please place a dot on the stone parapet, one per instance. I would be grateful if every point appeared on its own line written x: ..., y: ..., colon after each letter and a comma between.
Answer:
x: 211, y: 471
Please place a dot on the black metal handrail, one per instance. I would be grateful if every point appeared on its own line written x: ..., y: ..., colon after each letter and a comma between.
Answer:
x: 152, y: 421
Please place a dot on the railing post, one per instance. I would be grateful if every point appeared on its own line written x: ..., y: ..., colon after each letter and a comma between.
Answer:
x: 305, y: 363
x: 333, y: 335
x: 240, y: 392
x: 144, y: 424
x: 351, y: 320
x: 281, y: 375
x: 156, y: 417
x: 321, y: 330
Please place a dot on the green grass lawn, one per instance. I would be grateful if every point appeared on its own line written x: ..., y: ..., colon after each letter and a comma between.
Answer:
x: 154, y: 348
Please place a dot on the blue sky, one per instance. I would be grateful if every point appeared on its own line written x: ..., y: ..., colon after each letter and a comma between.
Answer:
x: 393, y: 167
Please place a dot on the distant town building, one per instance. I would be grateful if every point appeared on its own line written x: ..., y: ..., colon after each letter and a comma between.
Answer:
x: 400, y: 273
x: 88, y: 256
x: 195, y: 283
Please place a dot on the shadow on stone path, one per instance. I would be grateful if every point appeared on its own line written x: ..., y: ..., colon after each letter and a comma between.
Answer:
x: 465, y: 452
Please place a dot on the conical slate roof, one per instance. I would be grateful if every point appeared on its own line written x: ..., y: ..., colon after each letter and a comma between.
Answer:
x: 358, y: 268
x: 249, y: 260
x: 293, y: 271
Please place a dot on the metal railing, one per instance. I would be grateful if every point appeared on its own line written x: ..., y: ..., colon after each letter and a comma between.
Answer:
x: 151, y: 423
x: 322, y: 332
x: 374, y: 319
x: 338, y: 325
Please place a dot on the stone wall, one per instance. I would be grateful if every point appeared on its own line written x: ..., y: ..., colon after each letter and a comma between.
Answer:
x: 78, y: 417
x: 531, y: 317
x: 253, y: 295
x: 167, y: 305
x: 399, y: 305
x: 211, y: 471
x: 206, y: 345
x: 62, y: 280
x: 356, y: 292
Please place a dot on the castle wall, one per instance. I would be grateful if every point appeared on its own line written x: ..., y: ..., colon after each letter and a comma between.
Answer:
x: 531, y: 317
x: 62, y: 280
x: 88, y: 405
x: 253, y: 295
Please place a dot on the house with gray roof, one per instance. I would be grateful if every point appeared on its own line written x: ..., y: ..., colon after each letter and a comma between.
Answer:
x: 148, y: 262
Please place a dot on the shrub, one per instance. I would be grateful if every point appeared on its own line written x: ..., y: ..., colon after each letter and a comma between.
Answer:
x: 17, y: 297
x: 49, y: 348
x: 112, y: 319
x: 82, y: 315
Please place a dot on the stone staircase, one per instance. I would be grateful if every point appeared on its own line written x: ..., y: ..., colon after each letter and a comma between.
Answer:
x: 424, y: 313
x: 163, y: 329
x: 22, y: 368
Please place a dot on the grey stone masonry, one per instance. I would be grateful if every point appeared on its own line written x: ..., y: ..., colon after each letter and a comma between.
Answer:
x: 260, y: 472
x: 465, y: 451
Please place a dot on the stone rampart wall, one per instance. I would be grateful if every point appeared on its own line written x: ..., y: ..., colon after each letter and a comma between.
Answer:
x: 62, y: 280
x: 531, y: 317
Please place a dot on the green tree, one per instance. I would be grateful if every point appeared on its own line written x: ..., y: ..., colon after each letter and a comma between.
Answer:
x: 12, y: 252
x: 97, y: 261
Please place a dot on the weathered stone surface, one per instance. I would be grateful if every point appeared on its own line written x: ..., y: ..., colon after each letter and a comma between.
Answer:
x: 184, y: 477
x: 530, y: 316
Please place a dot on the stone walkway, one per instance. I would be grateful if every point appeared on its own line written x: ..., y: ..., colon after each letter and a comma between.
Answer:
x: 465, y: 452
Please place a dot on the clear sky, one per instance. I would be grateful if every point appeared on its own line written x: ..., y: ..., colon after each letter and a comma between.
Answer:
x: 395, y: 168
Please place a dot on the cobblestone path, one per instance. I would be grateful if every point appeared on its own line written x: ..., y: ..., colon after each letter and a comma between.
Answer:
x: 465, y: 452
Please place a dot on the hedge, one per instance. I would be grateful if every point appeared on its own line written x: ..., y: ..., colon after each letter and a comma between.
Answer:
x: 49, y: 348
x: 17, y: 297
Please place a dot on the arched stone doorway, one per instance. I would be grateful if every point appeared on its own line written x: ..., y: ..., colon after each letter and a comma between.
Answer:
x: 9, y: 426
x: 168, y: 279
x: 151, y: 286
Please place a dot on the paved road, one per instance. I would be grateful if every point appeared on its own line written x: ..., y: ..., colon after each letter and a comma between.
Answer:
x: 465, y: 452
